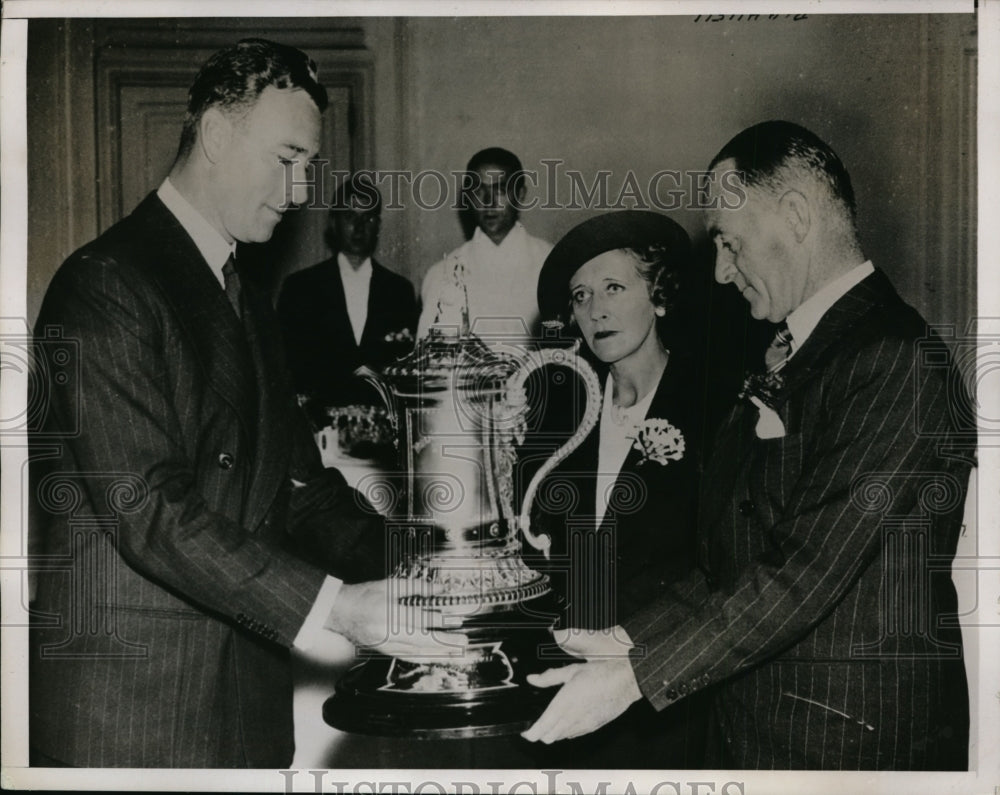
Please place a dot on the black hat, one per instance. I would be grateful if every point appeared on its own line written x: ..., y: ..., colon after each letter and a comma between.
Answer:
x: 625, y: 229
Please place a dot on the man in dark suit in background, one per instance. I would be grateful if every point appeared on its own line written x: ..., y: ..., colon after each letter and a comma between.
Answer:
x: 349, y: 310
x: 177, y: 473
x: 830, y: 510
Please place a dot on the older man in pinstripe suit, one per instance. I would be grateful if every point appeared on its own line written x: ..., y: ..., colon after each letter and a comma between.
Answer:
x: 831, y: 508
x: 189, y: 532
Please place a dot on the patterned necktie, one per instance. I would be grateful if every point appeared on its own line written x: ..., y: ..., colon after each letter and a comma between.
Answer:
x: 779, y: 350
x: 233, y: 292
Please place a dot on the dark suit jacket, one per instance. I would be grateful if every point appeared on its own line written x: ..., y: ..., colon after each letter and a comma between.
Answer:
x: 607, y: 573
x: 322, y: 352
x: 825, y: 614
x: 646, y: 543
x: 165, y: 510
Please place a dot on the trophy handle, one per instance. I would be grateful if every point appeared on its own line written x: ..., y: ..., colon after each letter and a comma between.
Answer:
x: 370, y: 376
x: 591, y: 415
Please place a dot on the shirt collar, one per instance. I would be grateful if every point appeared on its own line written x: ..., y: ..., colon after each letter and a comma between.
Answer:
x: 635, y: 413
x: 515, y: 237
x: 213, y: 246
x: 348, y: 271
x: 806, y: 317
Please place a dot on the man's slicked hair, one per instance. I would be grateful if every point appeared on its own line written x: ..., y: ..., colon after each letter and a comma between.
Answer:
x: 771, y: 154
x: 234, y: 78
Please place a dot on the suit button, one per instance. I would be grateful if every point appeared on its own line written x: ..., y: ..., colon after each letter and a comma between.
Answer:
x: 226, y: 461
x: 746, y: 508
x: 683, y: 689
x: 672, y: 694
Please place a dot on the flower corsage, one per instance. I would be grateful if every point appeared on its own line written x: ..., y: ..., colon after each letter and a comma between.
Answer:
x: 659, y: 441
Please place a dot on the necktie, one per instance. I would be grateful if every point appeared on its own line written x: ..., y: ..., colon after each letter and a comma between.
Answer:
x: 779, y: 350
x: 232, y: 279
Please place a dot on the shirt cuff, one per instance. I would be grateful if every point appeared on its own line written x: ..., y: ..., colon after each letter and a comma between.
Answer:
x: 320, y: 611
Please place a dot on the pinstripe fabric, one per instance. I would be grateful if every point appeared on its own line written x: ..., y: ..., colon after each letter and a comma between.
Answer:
x: 173, y: 650
x: 828, y: 555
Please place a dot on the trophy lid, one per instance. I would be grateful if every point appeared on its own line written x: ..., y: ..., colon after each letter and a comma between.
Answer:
x: 446, y: 359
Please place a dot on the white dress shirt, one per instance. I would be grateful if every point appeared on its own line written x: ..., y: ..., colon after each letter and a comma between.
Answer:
x: 617, y: 433
x: 216, y: 250
x: 501, y: 282
x: 357, y: 287
x: 805, y: 318
x: 212, y: 245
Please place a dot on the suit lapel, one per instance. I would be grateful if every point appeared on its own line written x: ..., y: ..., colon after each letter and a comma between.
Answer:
x: 370, y: 333
x: 631, y: 468
x: 202, y: 309
x: 659, y: 408
x: 273, y: 431
x: 736, y: 442
x: 336, y: 302
x: 839, y: 319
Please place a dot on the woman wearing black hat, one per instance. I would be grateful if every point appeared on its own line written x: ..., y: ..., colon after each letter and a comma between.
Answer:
x: 628, y: 529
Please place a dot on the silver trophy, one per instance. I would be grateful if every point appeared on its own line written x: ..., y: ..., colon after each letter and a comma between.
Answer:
x: 459, y: 411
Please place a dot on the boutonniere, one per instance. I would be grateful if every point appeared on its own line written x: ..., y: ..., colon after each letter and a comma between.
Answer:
x: 763, y: 386
x: 762, y: 390
x: 659, y: 441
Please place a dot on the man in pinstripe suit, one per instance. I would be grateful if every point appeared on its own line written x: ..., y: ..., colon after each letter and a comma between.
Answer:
x: 823, y: 614
x: 179, y: 493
